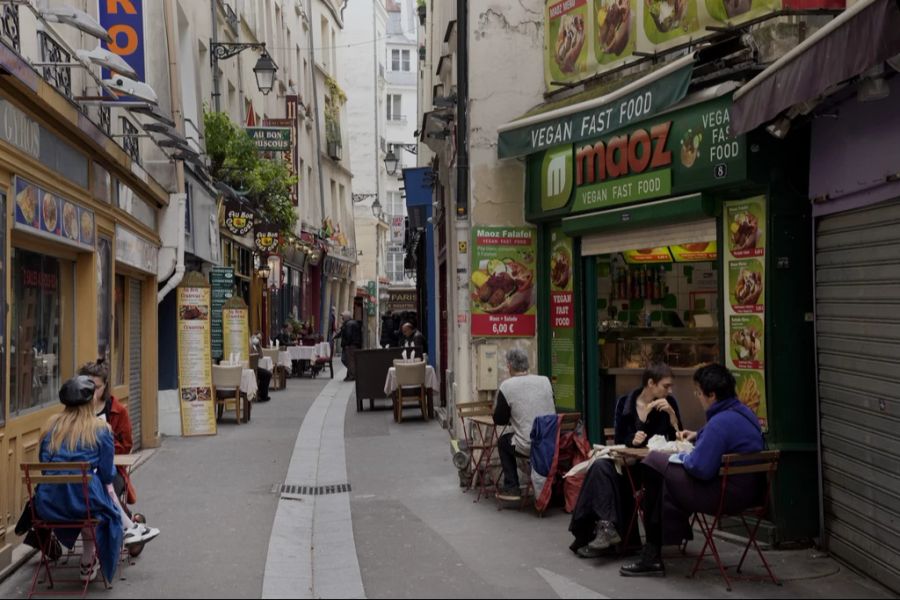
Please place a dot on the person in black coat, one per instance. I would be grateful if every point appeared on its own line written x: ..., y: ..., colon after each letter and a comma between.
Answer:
x: 605, y: 503
x: 388, y: 331
x: 351, y: 341
x: 413, y: 338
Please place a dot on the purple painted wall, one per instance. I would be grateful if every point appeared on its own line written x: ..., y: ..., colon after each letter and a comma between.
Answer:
x: 854, y: 154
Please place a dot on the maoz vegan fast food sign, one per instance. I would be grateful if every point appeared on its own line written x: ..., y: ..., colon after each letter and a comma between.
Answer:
x: 679, y: 152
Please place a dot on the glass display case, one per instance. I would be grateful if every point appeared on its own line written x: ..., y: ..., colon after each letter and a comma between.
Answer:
x: 678, y: 351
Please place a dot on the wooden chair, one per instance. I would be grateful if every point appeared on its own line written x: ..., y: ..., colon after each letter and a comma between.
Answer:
x: 227, y: 389
x: 739, y: 464
x: 278, y: 379
x: 480, y: 439
x: 78, y: 475
x: 254, y: 361
x: 410, y: 376
x: 609, y: 436
x: 326, y: 360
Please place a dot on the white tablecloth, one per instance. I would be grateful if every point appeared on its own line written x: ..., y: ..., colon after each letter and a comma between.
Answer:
x: 284, y: 359
x: 248, y: 383
x: 431, y: 380
x: 323, y: 349
x: 302, y: 352
x: 266, y: 363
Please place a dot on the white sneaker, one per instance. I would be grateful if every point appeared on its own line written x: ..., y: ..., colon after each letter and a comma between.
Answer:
x: 139, y: 533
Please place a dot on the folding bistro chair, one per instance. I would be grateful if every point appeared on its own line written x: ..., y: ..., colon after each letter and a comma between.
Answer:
x: 481, y: 438
x: 410, y: 378
x: 324, y: 359
x: 568, y: 422
x: 76, y: 474
x: 278, y: 375
x: 740, y: 464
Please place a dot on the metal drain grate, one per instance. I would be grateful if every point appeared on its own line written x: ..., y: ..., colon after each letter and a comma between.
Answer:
x: 309, y: 490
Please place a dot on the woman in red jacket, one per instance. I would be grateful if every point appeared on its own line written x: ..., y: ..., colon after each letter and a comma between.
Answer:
x: 115, y: 413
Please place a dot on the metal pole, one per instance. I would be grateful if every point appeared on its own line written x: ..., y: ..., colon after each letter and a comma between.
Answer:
x: 213, y: 61
x: 377, y: 161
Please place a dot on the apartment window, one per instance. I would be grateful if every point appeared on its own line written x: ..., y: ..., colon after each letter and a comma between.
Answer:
x: 395, y: 266
x: 394, y: 204
x: 393, y: 107
x: 324, y: 41
x: 400, y: 60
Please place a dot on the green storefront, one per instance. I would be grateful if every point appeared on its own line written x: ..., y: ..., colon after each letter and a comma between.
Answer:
x: 667, y: 239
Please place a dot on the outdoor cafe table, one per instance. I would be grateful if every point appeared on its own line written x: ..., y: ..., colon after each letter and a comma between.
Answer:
x: 431, y: 385
x: 304, y: 356
x: 266, y: 363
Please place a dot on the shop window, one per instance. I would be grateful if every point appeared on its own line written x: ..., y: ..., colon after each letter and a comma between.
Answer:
x: 104, y: 298
x: 119, y: 332
x: 42, y: 338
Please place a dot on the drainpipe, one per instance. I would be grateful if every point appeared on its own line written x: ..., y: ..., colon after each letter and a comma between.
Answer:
x: 178, y: 116
x: 464, y: 354
x: 324, y: 311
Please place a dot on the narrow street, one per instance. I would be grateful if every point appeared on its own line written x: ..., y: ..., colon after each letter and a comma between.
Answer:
x: 225, y: 532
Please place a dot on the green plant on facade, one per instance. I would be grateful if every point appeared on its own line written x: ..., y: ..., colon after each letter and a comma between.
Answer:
x: 333, y: 102
x: 235, y: 160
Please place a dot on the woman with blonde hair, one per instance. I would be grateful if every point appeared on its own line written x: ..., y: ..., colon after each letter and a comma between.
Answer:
x: 77, y: 435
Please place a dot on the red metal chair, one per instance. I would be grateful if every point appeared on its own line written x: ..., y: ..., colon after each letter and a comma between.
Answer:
x: 732, y: 465
x: 481, y: 440
x: 33, y: 475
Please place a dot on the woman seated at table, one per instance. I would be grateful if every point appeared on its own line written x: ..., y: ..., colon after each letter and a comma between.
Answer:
x: 605, y: 502
x: 77, y: 435
x: 678, y: 485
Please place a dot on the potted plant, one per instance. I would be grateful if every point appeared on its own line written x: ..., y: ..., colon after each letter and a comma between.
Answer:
x: 420, y: 8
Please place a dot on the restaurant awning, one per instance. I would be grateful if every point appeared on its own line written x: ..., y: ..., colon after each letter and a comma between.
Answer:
x: 639, y: 100
x: 861, y: 37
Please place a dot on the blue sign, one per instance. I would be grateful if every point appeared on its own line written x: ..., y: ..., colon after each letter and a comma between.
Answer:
x: 124, y: 20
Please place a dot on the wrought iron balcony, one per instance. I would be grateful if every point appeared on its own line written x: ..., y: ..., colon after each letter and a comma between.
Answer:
x: 59, y: 77
x: 9, y: 25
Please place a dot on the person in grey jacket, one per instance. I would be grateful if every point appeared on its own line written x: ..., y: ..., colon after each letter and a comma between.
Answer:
x: 520, y: 399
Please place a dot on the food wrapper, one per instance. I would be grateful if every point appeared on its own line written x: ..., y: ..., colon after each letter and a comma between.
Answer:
x: 659, y: 443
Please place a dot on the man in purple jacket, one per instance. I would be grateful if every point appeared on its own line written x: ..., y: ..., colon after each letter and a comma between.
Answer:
x: 678, y: 485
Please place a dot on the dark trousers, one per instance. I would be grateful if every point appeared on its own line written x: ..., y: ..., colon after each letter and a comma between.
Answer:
x: 263, y: 379
x: 348, y: 358
x: 604, y: 497
x: 507, y: 452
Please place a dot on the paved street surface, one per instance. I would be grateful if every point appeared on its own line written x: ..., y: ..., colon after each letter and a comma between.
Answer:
x: 415, y: 533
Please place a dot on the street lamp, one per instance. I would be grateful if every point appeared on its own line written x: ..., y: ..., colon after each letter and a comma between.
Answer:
x: 391, y: 162
x: 377, y: 212
x: 264, y: 70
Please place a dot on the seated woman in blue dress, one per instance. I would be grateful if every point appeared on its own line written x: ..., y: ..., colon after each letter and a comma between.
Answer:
x: 605, y: 502
x: 77, y: 435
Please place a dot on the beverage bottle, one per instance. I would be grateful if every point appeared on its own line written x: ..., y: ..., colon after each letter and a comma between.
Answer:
x: 648, y: 284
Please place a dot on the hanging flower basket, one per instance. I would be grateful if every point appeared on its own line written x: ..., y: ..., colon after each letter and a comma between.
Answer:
x: 421, y: 10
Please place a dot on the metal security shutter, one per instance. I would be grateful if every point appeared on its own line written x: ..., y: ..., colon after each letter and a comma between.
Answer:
x: 652, y: 237
x: 134, y: 360
x: 858, y: 341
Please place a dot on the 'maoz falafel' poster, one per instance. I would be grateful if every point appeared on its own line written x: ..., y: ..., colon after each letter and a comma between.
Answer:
x: 195, y: 391
x: 744, y: 234
x: 562, y: 319
x: 502, y: 284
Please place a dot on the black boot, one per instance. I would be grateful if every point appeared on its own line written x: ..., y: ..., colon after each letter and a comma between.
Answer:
x: 649, y: 565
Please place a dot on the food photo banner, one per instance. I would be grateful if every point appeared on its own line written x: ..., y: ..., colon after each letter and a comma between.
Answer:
x: 562, y: 320
x: 50, y: 216
x: 502, y: 283
x: 586, y: 37
x: 744, y: 225
x: 195, y: 389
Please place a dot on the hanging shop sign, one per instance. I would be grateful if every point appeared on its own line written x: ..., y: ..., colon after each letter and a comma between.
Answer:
x: 50, y: 216
x: 587, y: 37
x: 680, y: 152
x: 401, y: 300
x: 195, y: 390
x: 502, y: 282
x: 236, y: 329
x: 335, y: 267
x: 271, y: 139
x: 398, y: 229
x: 124, y: 20
x: 562, y: 319
x: 744, y: 232
x: 222, y: 284
x: 238, y: 218
x: 266, y: 237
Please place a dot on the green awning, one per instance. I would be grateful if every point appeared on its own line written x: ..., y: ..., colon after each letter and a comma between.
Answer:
x: 670, y: 211
x: 639, y: 100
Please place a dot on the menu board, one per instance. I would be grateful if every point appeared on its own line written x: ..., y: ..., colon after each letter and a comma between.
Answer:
x: 502, y: 283
x: 694, y: 252
x: 236, y: 330
x: 195, y: 389
x: 648, y: 255
x: 50, y: 216
x: 744, y: 234
x: 222, y: 280
x: 562, y: 319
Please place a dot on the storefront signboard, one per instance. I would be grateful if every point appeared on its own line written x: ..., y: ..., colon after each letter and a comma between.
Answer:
x: 562, y: 320
x: 238, y: 218
x: 236, y: 330
x: 680, y: 152
x: 47, y: 215
x: 400, y: 300
x: 195, y: 389
x: 502, y: 282
x: 744, y: 223
x: 587, y: 37
x: 271, y: 139
x: 222, y: 281
x: 124, y: 20
x: 135, y: 251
